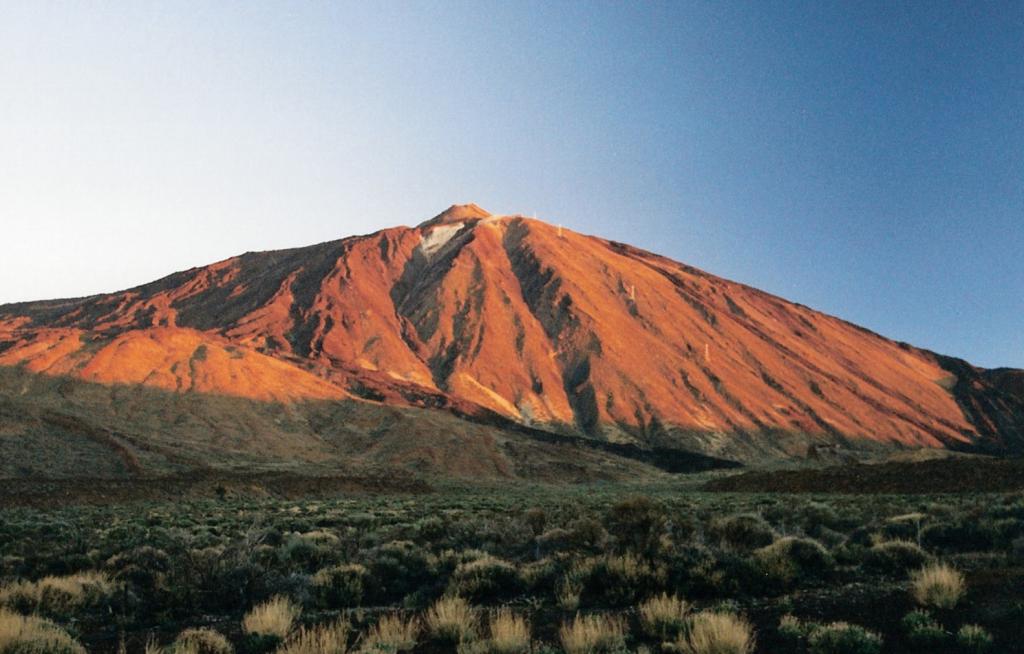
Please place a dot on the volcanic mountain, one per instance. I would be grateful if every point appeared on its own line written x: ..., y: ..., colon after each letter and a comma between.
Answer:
x: 511, y: 323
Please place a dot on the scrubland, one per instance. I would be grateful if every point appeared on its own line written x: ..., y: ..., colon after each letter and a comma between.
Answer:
x: 509, y: 569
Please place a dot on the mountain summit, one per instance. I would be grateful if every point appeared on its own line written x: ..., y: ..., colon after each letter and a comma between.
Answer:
x: 512, y: 319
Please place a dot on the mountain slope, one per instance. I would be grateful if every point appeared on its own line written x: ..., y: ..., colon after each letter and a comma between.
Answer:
x: 508, y: 316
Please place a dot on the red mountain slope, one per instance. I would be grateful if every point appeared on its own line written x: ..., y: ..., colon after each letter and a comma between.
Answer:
x: 540, y: 325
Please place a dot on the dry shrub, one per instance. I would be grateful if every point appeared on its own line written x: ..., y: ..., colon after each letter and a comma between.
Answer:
x: 275, y: 617
x: 663, y: 616
x: 34, y: 635
x: 592, y: 634
x: 718, y: 633
x: 323, y: 639
x: 59, y: 595
x: 201, y: 641
x: 938, y: 585
x: 510, y: 633
x: 392, y: 634
x: 451, y: 620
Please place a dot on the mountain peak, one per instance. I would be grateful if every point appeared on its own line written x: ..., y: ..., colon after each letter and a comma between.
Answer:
x: 458, y: 213
x: 555, y: 331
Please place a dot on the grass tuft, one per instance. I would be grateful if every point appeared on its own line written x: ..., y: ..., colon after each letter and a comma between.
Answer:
x: 713, y: 632
x: 392, y: 634
x: 592, y: 634
x: 663, y: 616
x: 275, y: 617
x: 329, y: 638
x: 938, y: 585
x: 34, y: 635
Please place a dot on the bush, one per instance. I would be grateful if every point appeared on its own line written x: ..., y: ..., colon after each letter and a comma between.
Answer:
x: 895, y: 557
x: 791, y: 559
x: 59, y: 596
x: 485, y: 579
x: 905, y: 527
x: 272, y: 618
x: 663, y: 617
x: 201, y: 641
x: 323, y: 639
x: 923, y: 631
x: 34, y: 635
x: 340, y: 586
x: 791, y: 632
x: 938, y: 585
x: 303, y: 550
x: 592, y: 634
x: 587, y: 535
x: 844, y: 638
x: 744, y: 531
x: 618, y: 581
x: 637, y: 524
x: 965, y: 536
x: 451, y: 620
x: 712, y: 632
x: 398, y: 569
x: 392, y: 634
x: 143, y: 567
x: 974, y: 639
x: 510, y: 634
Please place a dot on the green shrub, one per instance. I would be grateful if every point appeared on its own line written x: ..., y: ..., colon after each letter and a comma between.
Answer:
x: 743, y: 532
x: 816, y: 515
x: 303, y: 552
x: 398, y: 569
x: 145, y: 568
x: 791, y: 632
x: 587, y: 535
x: 923, y: 631
x: 340, y: 586
x: 961, y: 536
x: 554, y: 540
x: 486, y: 579
x: 907, y: 527
x: 895, y: 557
x: 843, y: 638
x: 637, y: 524
x: 619, y: 581
x: 791, y: 559
x: 974, y: 639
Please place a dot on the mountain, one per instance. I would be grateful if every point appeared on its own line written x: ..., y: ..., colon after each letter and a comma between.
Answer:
x: 517, y: 324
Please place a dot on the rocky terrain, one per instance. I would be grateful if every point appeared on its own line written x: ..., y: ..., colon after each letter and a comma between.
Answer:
x: 481, y: 326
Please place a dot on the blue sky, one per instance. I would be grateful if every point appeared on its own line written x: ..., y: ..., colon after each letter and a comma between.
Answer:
x: 865, y: 159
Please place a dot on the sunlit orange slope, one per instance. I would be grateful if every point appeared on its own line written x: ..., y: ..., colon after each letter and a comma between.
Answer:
x: 542, y: 325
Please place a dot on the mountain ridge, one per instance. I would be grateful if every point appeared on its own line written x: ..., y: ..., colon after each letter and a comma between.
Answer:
x: 510, y: 316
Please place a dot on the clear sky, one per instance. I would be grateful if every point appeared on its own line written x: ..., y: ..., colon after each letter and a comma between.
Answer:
x: 865, y: 159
